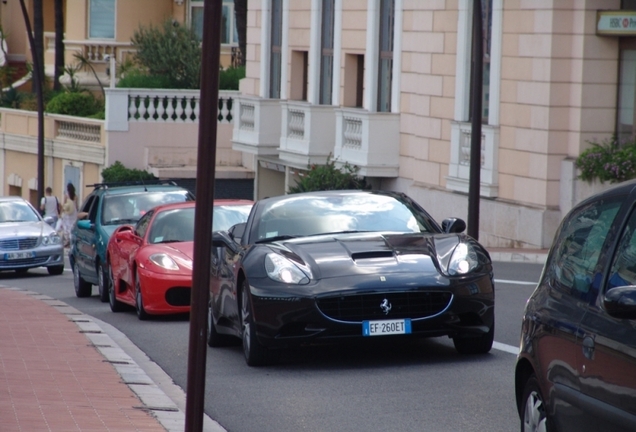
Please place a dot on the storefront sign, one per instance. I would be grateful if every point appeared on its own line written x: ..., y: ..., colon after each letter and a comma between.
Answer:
x: 617, y: 23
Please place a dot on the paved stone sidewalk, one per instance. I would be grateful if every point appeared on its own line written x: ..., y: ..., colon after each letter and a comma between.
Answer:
x: 52, y: 377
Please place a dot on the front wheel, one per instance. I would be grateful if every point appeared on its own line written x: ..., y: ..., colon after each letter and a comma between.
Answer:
x: 82, y: 288
x: 103, y: 282
x: 139, y: 303
x: 533, y: 414
x: 475, y: 345
x: 115, y: 305
x: 255, y: 353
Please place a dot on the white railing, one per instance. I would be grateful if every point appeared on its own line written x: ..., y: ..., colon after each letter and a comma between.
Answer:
x: 96, y: 51
x: 246, y: 116
x: 352, y: 132
x: 369, y: 140
x: 164, y: 106
x: 459, y: 166
x: 296, y: 125
x: 78, y: 131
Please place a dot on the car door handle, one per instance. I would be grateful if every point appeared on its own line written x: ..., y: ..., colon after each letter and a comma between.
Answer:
x: 588, y: 347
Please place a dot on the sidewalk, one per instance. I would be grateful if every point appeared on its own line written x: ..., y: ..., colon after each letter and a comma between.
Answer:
x: 60, y: 372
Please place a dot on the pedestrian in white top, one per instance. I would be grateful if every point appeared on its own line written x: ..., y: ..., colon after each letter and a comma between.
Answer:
x: 50, y: 206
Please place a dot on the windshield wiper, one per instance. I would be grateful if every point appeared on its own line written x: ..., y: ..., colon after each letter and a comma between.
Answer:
x: 276, y: 238
x: 121, y: 221
x: 169, y: 241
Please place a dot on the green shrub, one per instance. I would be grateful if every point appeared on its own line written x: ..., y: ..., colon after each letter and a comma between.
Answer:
x: 76, y: 104
x: 138, y: 79
x: 329, y: 177
x: 117, y: 172
x: 608, y: 161
x: 230, y: 77
x: 171, y: 51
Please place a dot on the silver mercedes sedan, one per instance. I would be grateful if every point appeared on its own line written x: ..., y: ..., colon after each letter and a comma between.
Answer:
x: 26, y: 239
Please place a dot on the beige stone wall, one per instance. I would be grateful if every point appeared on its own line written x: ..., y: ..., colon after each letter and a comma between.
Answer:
x: 558, y: 91
x: 250, y: 84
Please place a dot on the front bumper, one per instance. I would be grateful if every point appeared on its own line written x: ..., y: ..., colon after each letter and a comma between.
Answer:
x: 165, y: 293
x: 460, y: 308
x: 41, y: 256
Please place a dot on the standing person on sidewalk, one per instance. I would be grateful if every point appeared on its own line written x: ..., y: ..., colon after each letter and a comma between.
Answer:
x: 69, y: 214
x: 50, y: 206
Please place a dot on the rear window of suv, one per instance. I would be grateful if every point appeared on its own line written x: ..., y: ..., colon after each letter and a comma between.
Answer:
x: 130, y: 207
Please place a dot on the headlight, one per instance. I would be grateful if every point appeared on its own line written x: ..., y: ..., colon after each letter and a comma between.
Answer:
x: 52, y: 238
x: 164, y: 261
x: 463, y: 260
x: 283, y: 270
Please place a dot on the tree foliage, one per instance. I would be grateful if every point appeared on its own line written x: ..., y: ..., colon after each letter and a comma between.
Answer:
x: 330, y: 177
x: 117, y: 172
x: 171, y: 51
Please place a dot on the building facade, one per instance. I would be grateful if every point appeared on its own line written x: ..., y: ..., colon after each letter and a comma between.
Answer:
x: 385, y: 85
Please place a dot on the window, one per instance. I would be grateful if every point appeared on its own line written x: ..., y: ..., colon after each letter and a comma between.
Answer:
x: 276, y: 49
x: 353, y: 81
x: 299, y: 77
x: 623, y: 269
x: 626, y: 90
x: 385, y: 73
x: 326, y: 53
x: 229, y: 32
x: 576, y: 252
x: 102, y: 19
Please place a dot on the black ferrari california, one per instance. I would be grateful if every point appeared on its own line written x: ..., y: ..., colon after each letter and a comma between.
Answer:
x: 330, y: 266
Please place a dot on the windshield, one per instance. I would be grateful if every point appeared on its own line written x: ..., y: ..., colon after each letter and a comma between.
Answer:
x: 17, y: 211
x: 175, y: 225
x: 225, y: 216
x: 128, y: 208
x: 305, y: 215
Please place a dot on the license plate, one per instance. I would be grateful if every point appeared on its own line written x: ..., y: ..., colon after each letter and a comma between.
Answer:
x: 386, y: 327
x: 18, y: 255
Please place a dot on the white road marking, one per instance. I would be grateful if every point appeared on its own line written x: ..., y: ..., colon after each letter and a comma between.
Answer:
x: 514, y: 282
x: 505, y: 348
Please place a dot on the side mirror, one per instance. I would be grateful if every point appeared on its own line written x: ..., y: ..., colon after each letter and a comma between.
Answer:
x: 237, y: 231
x: 222, y: 240
x: 84, y: 224
x: 620, y: 302
x: 453, y: 225
x: 48, y: 219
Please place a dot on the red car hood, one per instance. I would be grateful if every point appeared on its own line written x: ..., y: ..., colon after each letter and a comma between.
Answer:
x: 184, y: 248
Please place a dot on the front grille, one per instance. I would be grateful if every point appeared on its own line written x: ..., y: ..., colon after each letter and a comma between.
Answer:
x: 19, y: 243
x: 364, y: 307
x: 23, y: 262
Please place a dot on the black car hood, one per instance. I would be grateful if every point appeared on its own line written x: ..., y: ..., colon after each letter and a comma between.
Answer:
x: 332, y: 256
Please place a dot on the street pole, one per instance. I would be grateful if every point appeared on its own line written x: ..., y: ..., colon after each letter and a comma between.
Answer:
x: 476, y: 89
x: 38, y: 82
x: 206, y: 157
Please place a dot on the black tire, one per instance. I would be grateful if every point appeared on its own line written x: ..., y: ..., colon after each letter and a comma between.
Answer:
x: 533, y: 408
x: 55, y: 270
x: 104, y: 282
x: 82, y: 288
x: 139, y: 303
x: 115, y: 305
x: 475, y: 345
x: 216, y: 339
x: 255, y: 353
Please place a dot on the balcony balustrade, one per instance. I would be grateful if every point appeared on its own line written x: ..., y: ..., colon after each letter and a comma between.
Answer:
x: 308, y: 133
x: 369, y: 140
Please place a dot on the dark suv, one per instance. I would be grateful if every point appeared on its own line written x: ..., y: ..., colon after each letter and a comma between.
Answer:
x: 107, y: 207
x: 576, y: 370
